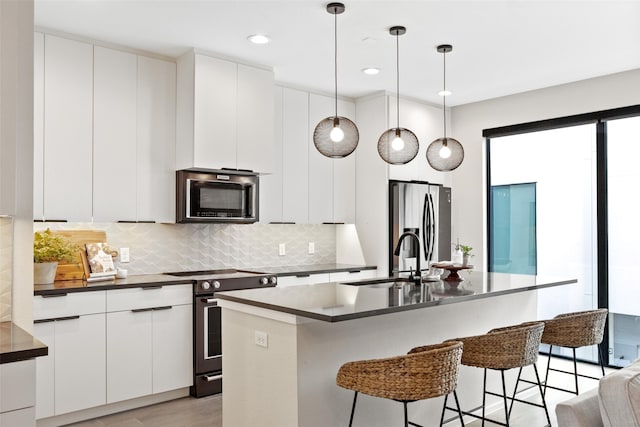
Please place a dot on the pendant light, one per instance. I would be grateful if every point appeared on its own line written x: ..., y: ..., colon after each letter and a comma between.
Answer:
x: 445, y: 154
x: 398, y: 146
x: 336, y: 136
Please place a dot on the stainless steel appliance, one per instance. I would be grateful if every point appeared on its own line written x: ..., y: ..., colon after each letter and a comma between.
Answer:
x: 424, y: 209
x: 206, y: 195
x: 207, y: 350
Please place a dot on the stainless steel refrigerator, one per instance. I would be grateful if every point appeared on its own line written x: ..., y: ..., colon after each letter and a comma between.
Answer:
x: 424, y: 209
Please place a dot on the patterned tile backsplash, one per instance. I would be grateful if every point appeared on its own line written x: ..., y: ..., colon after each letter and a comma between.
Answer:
x: 157, y: 248
x: 6, y: 261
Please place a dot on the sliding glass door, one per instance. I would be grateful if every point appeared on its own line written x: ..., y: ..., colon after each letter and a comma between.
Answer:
x: 623, y: 172
x: 543, y: 214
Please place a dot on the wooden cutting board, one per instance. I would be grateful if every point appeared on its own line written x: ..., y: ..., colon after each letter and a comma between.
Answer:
x: 79, y: 267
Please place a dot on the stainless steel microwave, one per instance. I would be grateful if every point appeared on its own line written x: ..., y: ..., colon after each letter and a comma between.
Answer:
x: 225, y: 196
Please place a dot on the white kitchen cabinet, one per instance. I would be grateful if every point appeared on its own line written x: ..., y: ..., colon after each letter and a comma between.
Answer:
x: 17, y: 393
x: 331, y: 181
x: 155, y: 148
x: 149, y: 341
x: 295, y: 149
x: 114, y: 135
x: 271, y: 185
x: 348, y: 276
x: 38, y: 125
x: 225, y: 114
x: 255, y: 119
x: 72, y: 376
x: 68, y: 131
x: 303, y: 279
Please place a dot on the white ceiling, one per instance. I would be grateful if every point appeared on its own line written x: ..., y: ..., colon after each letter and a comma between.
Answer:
x: 499, y: 47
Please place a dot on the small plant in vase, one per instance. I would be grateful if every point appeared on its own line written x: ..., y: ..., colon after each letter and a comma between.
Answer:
x: 466, y: 254
x: 48, y: 250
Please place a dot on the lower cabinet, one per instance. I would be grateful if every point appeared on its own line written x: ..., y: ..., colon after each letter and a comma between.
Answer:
x: 110, y: 346
x: 72, y: 376
x: 17, y: 393
x: 148, y: 351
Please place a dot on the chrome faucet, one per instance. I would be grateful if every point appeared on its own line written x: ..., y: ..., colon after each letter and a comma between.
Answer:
x: 417, y: 277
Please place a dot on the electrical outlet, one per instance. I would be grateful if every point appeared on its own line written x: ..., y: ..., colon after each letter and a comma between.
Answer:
x: 124, y: 254
x: 261, y: 339
x: 282, y: 249
x: 312, y: 248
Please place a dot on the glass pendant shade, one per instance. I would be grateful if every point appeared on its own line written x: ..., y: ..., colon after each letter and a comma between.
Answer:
x: 398, y: 146
x: 336, y: 136
x: 445, y: 154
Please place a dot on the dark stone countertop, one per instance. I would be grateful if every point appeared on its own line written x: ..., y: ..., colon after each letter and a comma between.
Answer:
x: 304, y: 270
x: 336, y: 302
x: 16, y: 344
x: 132, y: 281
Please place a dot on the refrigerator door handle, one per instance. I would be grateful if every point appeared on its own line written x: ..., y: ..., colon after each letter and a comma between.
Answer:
x: 426, y: 224
x: 432, y: 228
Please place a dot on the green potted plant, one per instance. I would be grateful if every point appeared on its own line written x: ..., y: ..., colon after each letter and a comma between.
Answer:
x: 466, y: 254
x: 48, y: 250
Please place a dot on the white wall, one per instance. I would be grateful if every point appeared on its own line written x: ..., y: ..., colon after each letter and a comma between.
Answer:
x: 16, y: 147
x: 468, y: 121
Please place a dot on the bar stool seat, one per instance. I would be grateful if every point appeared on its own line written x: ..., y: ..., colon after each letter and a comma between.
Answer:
x: 573, y: 330
x: 502, y: 349
x: 424, y: 373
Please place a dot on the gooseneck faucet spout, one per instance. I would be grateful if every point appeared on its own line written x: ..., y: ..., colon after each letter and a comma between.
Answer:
x: 417, y: 277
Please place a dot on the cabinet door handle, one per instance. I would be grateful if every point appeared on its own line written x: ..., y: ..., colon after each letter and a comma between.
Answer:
x: 141, y: 310
x: 146, y: 288
x: 354, y: 271
x: 54, y: 295
x: 166, y: 307
x: 303, y: 275
x: 57, y: 319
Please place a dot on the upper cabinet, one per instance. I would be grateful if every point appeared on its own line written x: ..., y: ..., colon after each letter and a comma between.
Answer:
x: 67, y: 131
x: 307, y: 187
x: 104, y: 134
x: 225, y: 114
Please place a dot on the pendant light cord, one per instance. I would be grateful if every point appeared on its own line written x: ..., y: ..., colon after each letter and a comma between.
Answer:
x: 444, y: 92
x: 335, y: 58
x: 398, y: 80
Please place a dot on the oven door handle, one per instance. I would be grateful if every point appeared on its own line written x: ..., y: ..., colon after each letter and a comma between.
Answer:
x: 213, y: 301
x: 209, y: 378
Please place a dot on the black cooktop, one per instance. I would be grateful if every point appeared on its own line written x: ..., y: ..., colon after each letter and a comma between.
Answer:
x: 227, y: 273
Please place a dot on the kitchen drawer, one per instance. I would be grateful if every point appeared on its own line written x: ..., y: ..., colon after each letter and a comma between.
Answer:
x: 71, y: 304
x: 17, y: 385
x: 303, y: 279
x: 149, y: 297
x: 348, y: 276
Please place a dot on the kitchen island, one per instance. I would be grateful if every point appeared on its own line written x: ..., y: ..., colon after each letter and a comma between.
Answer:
x: 283, y: 346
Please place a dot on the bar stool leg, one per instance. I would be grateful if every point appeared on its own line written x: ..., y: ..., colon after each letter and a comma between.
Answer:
x: 504, y: 398
x: 515, y: 391
x: 546, y: 375
x: 575, y: 370
x: 601, y: 358
x: 544, y: 403
x: 353, y: 408
x: 444, y: 407
x: 455, y: 396
x: 406, y: 416
x: 484, y: 393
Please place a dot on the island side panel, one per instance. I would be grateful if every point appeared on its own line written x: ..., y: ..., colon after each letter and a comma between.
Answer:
x: 259, y: 384
x: 323, y: 347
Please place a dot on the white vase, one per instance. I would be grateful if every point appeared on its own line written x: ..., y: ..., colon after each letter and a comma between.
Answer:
x: 465, y: 260
x: 44, y: 273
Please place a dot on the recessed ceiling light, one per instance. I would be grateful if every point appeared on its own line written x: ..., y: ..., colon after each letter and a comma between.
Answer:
x: 371, y: 71
x: 445, y: 93
x: 258, y: 39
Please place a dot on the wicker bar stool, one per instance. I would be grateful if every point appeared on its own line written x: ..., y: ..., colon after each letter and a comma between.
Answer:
x: 423, y: 373
x: 502, y: 349
x: 573, y: 330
